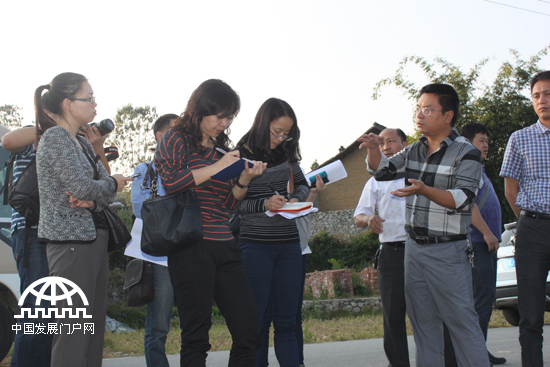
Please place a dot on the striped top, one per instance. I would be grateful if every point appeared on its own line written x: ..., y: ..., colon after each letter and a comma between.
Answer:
x: 454, y: 167
x: 215, y: 197
x: 22, y: 159
x: 256, y: 226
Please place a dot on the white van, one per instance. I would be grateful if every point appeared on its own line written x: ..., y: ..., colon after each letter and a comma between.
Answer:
x: 9, y: 277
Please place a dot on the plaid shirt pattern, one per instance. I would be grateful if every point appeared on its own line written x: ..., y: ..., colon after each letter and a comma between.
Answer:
x: 454, y: 167
x: 527, y: 159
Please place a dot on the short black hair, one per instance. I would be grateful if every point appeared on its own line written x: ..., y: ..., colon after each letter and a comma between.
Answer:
x: 400, y: 133
x: 448, y: 98
x: 163, y: 122
x: 543, y: 75
x: 471, y: 129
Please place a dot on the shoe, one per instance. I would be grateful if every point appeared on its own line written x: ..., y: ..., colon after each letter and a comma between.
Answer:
x: 496, y: 360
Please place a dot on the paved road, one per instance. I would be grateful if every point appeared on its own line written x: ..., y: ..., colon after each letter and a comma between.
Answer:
x: 357, y: 353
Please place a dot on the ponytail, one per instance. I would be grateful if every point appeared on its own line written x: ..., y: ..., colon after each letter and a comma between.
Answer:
x: 43, y: 121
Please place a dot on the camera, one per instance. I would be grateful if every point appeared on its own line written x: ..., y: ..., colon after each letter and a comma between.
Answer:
x: 104, y: 126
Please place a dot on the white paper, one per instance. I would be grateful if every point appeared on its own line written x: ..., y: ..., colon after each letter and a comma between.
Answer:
x: 293, y: 215
x: 335, y: 172
x: 133, y: 249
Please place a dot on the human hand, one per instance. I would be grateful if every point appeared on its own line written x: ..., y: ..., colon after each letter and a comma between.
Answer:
x: 275, y: 202
x: 121, y: 181
x: 374, y: 222
x: 227, y: 160
x: 491, y: 241
x: 370, y: 141
x: 75, y: 203
x: 319, y: 185
x: 250, y: 172
x: 417, y: 187
x: 92, y: 134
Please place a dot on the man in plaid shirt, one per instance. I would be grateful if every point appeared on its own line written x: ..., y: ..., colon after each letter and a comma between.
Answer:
x: 442, y: 176
x: 526, y: 172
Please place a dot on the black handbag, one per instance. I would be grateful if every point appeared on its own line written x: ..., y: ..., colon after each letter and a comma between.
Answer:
x: 140, y: 283
x: 171, y: 223
x: 119, y: 235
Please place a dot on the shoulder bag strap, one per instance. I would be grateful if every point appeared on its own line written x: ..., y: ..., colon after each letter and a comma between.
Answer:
x: 483, y: 198
x: 290, y: 180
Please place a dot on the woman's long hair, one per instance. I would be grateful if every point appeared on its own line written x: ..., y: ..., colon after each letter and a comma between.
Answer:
x: 258, y: 138
x: 212, y: 97
x: 65, y: 85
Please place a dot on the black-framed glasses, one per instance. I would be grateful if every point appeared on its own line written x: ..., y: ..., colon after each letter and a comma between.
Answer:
x: 91, y: 100
x: 425, y: 110
x: 280, y: 136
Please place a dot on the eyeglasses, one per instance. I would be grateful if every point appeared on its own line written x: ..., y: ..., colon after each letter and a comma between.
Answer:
x: 280, y: 136
x: 425, y: 110
x: 91, y: 100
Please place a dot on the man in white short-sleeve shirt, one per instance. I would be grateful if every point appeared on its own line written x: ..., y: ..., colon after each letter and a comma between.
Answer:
x: 389, y: 224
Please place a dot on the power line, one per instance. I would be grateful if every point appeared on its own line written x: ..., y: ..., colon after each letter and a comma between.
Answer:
x: 516, y: 7
x: 542, y: 1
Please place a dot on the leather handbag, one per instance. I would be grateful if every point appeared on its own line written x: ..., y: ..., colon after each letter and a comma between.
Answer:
x: 119, y: 235
x: 171, y: 223
x: 140, y: 283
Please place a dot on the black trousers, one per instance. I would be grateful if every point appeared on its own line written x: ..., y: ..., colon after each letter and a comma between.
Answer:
x: 532, y: 266
x: 207, y: 272
x: 391, y: 281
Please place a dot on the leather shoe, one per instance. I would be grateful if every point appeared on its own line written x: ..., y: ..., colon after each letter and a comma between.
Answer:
x: 496, y: 360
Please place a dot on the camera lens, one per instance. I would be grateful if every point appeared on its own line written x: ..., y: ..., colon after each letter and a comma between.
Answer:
x: 104, y: 126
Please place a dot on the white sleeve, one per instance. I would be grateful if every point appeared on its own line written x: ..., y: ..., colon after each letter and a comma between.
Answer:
x: 368, y: 200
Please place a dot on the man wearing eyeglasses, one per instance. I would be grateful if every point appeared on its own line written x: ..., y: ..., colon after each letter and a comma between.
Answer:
x: 526, y: 172
x: 442, y: 176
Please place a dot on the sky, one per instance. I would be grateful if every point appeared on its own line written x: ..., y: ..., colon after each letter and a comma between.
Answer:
x: 322, y: 57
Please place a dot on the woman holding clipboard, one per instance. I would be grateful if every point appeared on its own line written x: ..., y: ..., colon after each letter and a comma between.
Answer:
x: 210, y: 270
x: 271, y: 245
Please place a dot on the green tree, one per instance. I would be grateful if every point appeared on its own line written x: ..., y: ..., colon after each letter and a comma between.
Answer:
x: 133, y: 135
x: 10, y: 117
x: 314, y: 165
x: 503, y: 106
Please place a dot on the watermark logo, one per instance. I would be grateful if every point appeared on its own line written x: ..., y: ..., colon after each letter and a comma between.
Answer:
x: 67, y: 290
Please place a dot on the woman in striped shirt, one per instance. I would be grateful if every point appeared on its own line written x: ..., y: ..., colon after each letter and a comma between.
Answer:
x: 271, y: 245
x: 212, y: 268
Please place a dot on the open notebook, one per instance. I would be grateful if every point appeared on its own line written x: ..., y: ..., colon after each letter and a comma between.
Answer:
x: 294, y: 207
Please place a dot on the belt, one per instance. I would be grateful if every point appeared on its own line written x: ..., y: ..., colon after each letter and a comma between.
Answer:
x: 394, y: 244
x: 438, y: 239
x: 529, y: 214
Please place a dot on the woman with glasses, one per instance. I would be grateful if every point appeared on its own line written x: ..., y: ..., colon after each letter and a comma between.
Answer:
x: 271, y: 245
x: 74, y: 189
x: 212, y: 269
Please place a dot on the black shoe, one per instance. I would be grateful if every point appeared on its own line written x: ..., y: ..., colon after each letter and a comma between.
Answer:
x: 496, y: 360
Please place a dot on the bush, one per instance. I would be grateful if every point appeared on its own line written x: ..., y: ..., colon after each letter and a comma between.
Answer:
x: 134, y: 317
x: 328, y: 251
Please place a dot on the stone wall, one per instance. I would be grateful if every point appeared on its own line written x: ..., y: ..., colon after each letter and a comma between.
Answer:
x: 355, y: 305
x: 324, y: 283
x: 338, y: 223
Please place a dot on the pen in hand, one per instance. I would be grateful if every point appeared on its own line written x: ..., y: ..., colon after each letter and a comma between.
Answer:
x: 273, y: 189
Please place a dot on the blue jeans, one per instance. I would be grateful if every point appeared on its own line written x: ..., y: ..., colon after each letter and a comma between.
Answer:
x: 275, y: 276
x: 264, y: 338
x: 157, y: 324
x: 31, y: 349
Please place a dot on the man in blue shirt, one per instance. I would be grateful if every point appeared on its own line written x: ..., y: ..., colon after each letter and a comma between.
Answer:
x: 526, y: 172
x: 159, y: 311
x: 485, y: 237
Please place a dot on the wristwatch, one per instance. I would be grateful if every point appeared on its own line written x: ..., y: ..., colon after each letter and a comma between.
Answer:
x: 241, y: 186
